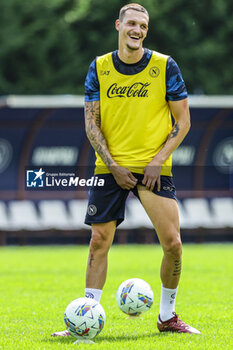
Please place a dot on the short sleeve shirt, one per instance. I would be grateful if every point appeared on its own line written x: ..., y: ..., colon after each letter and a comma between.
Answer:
x: 175, y: 85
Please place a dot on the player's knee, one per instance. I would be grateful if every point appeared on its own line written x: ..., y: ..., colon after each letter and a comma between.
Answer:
x: 99, y: 241
x: 174, y: 247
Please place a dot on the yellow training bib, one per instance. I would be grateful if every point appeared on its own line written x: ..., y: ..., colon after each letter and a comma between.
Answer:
x: 135, y: 116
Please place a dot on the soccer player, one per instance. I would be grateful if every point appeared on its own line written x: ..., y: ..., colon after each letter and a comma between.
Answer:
x: 129, y: 97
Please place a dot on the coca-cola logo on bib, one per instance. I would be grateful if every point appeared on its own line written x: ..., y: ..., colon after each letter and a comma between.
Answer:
x: 135, y: 90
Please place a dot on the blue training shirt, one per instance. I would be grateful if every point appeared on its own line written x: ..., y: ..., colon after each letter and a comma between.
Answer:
x: 175, y: 85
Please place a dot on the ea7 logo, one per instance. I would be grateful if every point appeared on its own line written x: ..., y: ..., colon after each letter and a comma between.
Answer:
x: 104, y: 72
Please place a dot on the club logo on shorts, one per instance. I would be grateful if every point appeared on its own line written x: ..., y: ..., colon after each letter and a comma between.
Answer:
x: 91, y: 210
x: 154, y: 72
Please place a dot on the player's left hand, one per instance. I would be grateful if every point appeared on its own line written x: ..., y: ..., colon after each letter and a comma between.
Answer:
x: 152, y: 176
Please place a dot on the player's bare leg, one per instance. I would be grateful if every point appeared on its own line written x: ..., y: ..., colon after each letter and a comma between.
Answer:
x: 164, y: 215
x: 101, y: 241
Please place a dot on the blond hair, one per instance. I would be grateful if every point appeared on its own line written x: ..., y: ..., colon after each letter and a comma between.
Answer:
x: 132, y: 6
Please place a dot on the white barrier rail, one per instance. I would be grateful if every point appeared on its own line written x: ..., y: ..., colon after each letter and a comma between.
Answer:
x: 72, y: 101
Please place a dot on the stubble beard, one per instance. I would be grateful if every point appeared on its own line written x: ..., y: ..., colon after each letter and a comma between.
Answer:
x: 132, y: 48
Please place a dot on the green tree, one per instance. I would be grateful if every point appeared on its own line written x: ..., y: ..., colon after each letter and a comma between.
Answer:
x: 47, y: 45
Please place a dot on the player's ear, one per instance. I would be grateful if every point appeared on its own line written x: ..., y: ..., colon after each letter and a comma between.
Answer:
x: 117, y: 25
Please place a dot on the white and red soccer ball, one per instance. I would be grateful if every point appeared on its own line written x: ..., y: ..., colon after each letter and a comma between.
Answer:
x: 134, y: 296
x: 84, y: 318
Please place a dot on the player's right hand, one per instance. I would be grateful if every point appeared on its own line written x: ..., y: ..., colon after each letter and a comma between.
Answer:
x: 124, y: 178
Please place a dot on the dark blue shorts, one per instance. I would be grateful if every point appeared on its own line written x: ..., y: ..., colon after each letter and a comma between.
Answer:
x: 108, y: 202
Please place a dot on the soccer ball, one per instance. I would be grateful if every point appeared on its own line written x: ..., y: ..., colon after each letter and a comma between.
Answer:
x: 134, y: 297
x: 84, y: 318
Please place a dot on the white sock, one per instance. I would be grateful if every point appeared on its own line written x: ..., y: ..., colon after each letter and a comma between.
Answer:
x: 167, y: 303
x: 93, y: 293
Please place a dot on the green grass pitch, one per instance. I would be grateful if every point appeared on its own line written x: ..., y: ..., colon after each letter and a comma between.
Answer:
x: 37, y: 283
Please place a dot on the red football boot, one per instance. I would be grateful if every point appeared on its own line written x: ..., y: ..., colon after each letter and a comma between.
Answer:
x: 174, y: 324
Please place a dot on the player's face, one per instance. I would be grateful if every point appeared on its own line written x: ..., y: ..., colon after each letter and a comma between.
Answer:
x: 132, y: 29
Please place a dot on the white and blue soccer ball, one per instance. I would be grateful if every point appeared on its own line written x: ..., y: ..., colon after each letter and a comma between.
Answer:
x: 84, y: 318
x: 134, y: 296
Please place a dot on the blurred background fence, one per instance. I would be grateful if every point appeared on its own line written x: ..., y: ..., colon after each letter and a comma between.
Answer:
x: 48, y: 131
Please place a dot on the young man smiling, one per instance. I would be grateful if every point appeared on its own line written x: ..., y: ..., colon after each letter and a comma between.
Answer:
x: 129, y: 97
